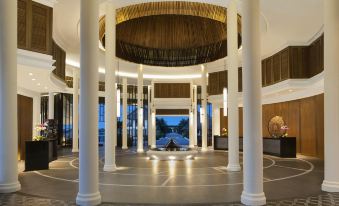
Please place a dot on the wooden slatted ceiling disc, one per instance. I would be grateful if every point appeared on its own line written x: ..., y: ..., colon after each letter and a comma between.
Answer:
x: 170, y: 34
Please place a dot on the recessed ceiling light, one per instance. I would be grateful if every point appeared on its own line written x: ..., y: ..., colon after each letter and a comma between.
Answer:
x: 46, y: 87
x: 290, y: 90
x: 38, y: 84
x: 33, y: 79
x: 30, y: 74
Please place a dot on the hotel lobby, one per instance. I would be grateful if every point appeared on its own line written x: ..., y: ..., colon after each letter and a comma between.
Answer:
x: 161, y: 102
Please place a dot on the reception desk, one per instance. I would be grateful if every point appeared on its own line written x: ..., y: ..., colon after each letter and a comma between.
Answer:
x: 281, y: 147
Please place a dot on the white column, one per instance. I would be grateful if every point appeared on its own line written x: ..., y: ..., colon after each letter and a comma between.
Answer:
x: 110, y: 90
x: 203, y: 110
x: 154, y: 127
x: 36, y: 113
x: 233, y: 110
x: 75, y: 143
x: 88, y: 152
x: 8, y: 98
x: 154, y: 130
x: 149, y: 112
x: 191, y: 119
x: 253, y: 149
x: 140, y: 110
x: 124, y: 114
x: 215, y: 121
x: 195, y: 115
x: 331, y: 43
x: 51, y: 105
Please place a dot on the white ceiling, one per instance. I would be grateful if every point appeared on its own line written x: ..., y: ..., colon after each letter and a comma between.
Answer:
x: 283, y: 22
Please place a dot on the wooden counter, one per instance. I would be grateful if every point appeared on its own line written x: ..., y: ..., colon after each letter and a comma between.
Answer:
x: 281, y: 147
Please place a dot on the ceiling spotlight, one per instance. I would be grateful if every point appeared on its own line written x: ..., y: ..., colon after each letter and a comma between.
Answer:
x: 290, y: 90
x: 30, y: 74
x: 33, y: 79
x: 46, y: 87
x: 38, y: 84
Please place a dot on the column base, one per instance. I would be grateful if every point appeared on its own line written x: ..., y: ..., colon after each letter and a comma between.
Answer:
x: 329, y: 186
x: 140, y: 150
x: 204, y: 149
x: 88, y: 199
x: 110, y: 168
x: 233, y: 167
x: 253, y: 199
x: 124, y: 147
x: 153, y: 146
x: 74, y: 150
x: 9, y: 188
x: 191, y: 146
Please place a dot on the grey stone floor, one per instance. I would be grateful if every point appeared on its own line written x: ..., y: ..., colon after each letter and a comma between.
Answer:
x: 203, y: 181
x: 324, y: 199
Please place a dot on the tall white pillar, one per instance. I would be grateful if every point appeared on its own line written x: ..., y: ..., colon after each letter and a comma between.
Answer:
x: 331, y: 43
x: 195, y: 115
x: 75, y: 147
x: 88, y: 155
x: 203, y: 110
x: 154, y: 130
x: 36, y: 113
x: 154, y: 127
x: 124, y: 114
x: 110, y: 90
x: 233, y: 110
x: 149, y: 112
x: 8, y: 98
x: 191, y: 119
x: 253, y: 149
x: 51, y: 105
x: 215, y: 121
x: 140, y: 110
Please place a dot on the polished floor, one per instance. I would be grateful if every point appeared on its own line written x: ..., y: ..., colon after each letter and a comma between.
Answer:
x: 200, y: 181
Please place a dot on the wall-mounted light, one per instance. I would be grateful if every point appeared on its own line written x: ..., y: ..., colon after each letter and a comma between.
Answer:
x: 225, y: 101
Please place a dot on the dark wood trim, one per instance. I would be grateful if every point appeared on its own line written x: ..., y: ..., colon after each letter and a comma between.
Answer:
x: 172, y: 90
x: 172, y: 112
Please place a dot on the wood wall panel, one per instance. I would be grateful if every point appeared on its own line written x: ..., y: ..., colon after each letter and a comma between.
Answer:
x: 263, y: 73
x: 172, y: 90
x: 319, y: 108
x: 172, y: 112
x: 59, y: 55
x: 25, y: 123
x: 277, y: 68
x: 34, y: 26
x: 294, y: 62
x: 285, y: 74
x: 293, y: 122
x: 217, y: 81
x: 304, y: 118
x: 316, y: 57
x: 22, y: 23
x: 308, y: 127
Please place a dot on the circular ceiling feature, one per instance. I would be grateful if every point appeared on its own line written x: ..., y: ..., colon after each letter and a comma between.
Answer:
x: 170, y: 34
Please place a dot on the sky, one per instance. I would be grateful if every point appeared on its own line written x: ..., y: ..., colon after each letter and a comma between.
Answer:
x: 172, y: 120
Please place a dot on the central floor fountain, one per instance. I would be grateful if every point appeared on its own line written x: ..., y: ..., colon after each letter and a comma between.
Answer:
x: 172, y: 151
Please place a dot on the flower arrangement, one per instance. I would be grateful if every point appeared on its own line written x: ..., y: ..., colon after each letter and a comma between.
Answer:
x: 284, y: 129
x: 224, y: 132
x: 40, y: 128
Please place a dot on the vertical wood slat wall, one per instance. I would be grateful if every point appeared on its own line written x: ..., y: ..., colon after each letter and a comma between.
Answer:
x: 304, y: 118
x: 35, y: 27
x: 35, y: 33
x: 25, y: 123
x: 293, y: 62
